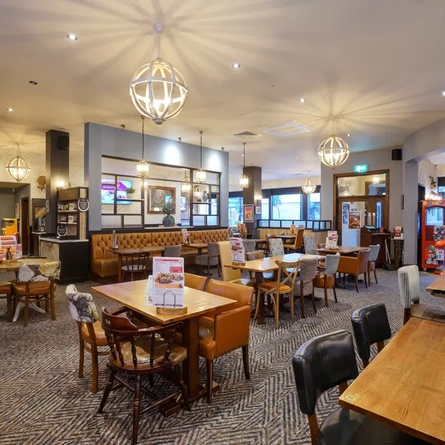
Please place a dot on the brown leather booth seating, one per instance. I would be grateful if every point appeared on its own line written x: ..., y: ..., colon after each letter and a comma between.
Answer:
x: 104, y: 261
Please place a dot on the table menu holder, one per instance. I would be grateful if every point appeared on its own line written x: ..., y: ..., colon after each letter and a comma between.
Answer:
x: 238, y: 251
x: 168, y: 285
x: 332, y: 240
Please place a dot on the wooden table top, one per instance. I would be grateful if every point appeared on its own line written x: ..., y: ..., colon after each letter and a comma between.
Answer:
x: 269, y: 264
x: 341, y: 249
x: 196, y: 245
x: 286, y: 236
x: 14, y: 265
x: 136, y: 250
x: 404, y: 386
x: 437, y: 285
x: 132, y: 295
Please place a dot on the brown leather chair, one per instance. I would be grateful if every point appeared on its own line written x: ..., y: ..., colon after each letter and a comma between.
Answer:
x: 355, y: 266
x: 225, y: 331
x: 136, y: 352
x: 195, y: 281
x: 91, y: 334
x: 6, y: 292
x: 298, y: 243
x: 326, y: 279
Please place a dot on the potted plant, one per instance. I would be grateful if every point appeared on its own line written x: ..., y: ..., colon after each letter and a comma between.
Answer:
x: 130, y: 192
x: 168, y: 207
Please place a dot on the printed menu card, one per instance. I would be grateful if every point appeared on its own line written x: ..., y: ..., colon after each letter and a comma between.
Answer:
x: 168, y: 277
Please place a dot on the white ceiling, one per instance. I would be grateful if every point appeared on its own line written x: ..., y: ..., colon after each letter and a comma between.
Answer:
x: 377, y: 65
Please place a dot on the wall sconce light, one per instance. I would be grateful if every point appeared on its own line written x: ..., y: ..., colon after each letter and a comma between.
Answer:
x: 60, y: 185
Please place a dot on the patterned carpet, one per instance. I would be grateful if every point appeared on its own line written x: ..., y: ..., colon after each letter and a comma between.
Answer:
x: 44, y: 402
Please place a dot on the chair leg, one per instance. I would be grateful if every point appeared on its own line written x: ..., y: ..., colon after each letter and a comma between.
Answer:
x: 335, y: 294
x: 302, y: 299
x: 292, y: 309
x: 183, y: 387
x: 326, y: 301
x: 81, y: 353
x: 366, y: 280
x: 209, y: 383
x: 25, y: 320
x: 369, y: 277
x: 46, y: 304
x: 107, y: 391
x: 9, y: 306
x: 277, y: 310
x: 95, y: 377
x: 257, y: 308
x: 356, y: 282
x: 313, y: 300
x: 53, y: 307
x: 375, y: 276
x: 136, y: 409
x: 246, y: 361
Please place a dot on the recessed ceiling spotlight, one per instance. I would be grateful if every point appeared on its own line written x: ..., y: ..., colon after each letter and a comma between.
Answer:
x: 236, y: 65
x: 33, y: 82
x: 72, y: 36
x: 443, y: 93
x: 349, y: 134
x: 302, y: 100
x: 9, y: 109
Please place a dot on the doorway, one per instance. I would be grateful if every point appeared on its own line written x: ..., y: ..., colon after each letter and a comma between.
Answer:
x: 24, y: 225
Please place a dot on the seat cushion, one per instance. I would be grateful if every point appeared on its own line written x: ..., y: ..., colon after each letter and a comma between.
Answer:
x: 101, y: 339
x: 35, y: 288
x: 346, y: 427
x: 105, y: 267
x: 143, y: 347
x: 271, y: 285
x: 319, y: 280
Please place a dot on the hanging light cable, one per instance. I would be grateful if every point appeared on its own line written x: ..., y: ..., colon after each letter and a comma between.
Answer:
x: 143, y: 167
x: 201, y: 175
x: 158, y: 90
x: 333, y: 151
x: 244, y: 180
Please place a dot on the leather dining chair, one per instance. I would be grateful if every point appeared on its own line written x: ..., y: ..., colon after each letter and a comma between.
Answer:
x: 137, y: 352
x: 224, y: 331
x: 409, y: 288
x: 298, y: 243
x: 228, y: 274
x: 326, y: 279
x: 211, y: 259
x: 322, y: 363
x: 355, y: 266
x: 195, y: 281
x: 370, y: 325
x: 172, y: 251
x: 373, y: 254
x: 91, y: 335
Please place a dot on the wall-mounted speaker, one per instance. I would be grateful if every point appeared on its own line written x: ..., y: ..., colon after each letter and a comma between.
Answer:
x: 396, y: 154
x: 63, y: 142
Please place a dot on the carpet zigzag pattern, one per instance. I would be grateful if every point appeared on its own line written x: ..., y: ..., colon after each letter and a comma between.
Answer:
x: 44, y: 402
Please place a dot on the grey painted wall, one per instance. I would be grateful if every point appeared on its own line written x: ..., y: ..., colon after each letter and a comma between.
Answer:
x: 101, y: 140
x: 7, y: 200
x: 376, y: 160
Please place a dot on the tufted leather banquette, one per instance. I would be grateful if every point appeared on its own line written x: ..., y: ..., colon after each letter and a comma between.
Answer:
x: 104, y: 261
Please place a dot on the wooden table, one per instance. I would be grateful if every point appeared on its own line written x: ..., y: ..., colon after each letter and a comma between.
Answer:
x: 132, y: 295
x: 342, y: 250
x: 404, y: 386
x: 437, y: 287
x: 14, y: 265
x: 198, y: 246
x: 133, y: 251
x: 267, y: 265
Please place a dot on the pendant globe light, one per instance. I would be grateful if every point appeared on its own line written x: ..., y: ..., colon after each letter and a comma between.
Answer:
x: 198, y: 193
x: 158, y: 90
x: 333, y: 151
x: 143, y: 167
x: 309, y: 186
x: 17, y: 167
x: 201, y: 175
x: 244, y: 180
x: 185, y: 183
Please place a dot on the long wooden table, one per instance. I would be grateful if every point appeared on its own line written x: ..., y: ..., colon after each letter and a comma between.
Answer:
x: 342, y: 250
x: 404, y: 386
x: 267, y: 265
x: 133, y: 251
x: 132, y: 295
x: 14, y: 265
x: 437, y: 287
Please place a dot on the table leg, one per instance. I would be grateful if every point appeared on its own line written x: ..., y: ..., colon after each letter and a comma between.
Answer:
x: 258, y: 280
x: 119, y: 268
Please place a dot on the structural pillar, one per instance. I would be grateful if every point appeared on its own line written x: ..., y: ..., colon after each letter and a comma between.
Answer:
x: 252, y: 195
x: 57, y: 169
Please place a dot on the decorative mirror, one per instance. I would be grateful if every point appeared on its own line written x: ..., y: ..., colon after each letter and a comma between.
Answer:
x: 158, y: 196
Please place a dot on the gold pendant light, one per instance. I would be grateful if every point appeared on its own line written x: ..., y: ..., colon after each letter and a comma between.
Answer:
x: 244, y: 180
x: 201, y: 175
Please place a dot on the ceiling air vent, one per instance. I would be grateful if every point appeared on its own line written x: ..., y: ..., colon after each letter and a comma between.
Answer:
x: 290, y: 128
x: 247, y: 135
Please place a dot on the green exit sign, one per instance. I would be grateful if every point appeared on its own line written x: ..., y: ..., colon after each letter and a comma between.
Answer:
x: 363, y: 168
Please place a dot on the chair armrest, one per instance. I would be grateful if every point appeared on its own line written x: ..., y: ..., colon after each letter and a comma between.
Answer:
x: 232, y: 329
x: 347, y: 264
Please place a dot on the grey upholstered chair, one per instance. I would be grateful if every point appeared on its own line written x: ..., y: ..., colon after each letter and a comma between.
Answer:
x: 370, y: 325
x: 373, y: 254
x: 249, y: 245
x: 409, y: 287
x: 276, y: 247
x: 209, y: 260
x: 309, y: 244
x: 326, y: 279
x: 304, y: 284
x: 172, y: 251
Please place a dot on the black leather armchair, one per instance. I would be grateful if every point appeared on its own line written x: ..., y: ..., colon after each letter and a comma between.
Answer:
x: 370, y: 325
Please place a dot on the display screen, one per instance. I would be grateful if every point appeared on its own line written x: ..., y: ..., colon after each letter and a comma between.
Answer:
x: 109, y: 190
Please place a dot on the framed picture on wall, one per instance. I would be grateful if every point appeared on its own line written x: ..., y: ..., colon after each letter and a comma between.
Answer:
x: 258, y: 210
x: 345, y: 211
x: 248, y: 213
